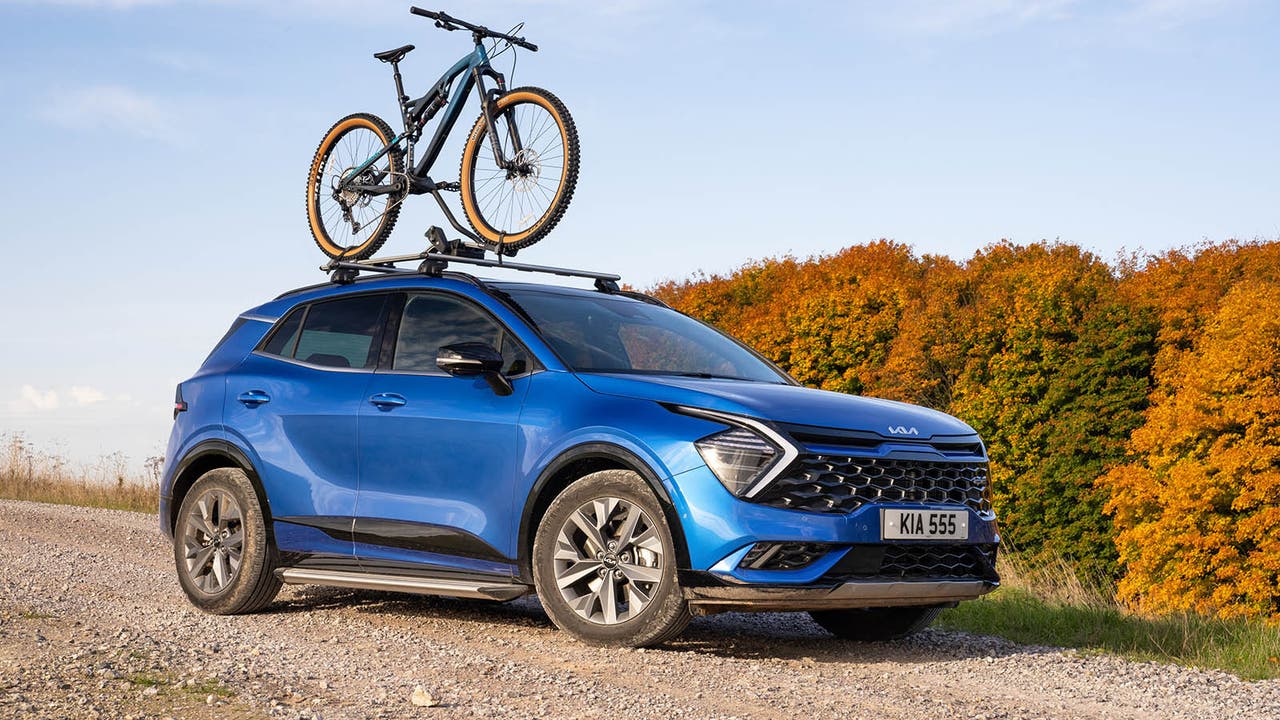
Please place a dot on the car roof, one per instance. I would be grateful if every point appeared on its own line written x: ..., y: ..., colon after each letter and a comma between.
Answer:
x: 404, y: 280
x: 414, y: 279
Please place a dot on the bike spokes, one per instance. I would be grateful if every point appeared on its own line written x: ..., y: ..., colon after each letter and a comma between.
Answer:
x: 515, y: 198
x: 518, y: 171
x: 349, y: 215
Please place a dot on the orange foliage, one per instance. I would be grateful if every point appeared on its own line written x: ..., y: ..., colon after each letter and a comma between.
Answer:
x: 1157, y: 375
x: 1199, y: 508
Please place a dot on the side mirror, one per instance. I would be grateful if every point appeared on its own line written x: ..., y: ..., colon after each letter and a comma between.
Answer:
x: 475, y: 358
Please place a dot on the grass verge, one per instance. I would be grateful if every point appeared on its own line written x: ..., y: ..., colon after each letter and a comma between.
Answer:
x: 29, y: 473
x: 1249, y: 649
x: 121, y: 496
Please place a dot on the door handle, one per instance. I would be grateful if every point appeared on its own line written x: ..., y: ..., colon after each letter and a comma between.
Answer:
x: 386, y: 401
x: 254, y: 398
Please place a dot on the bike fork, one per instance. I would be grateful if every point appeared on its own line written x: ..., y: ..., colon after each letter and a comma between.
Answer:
x: 487, y: 102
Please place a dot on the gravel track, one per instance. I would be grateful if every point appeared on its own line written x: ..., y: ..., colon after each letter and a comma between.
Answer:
x: 94, y: 625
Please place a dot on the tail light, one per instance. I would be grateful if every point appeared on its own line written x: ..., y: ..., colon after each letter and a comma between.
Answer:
x: 179, y: 405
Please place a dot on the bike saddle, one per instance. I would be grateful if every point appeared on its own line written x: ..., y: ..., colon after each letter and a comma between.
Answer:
x: 393, y: 56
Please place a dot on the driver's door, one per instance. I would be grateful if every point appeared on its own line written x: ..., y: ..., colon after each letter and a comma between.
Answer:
x: 438, y: 454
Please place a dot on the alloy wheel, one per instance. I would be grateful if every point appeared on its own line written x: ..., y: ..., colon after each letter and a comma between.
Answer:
x: 213, y: 541
x: 608, y: 560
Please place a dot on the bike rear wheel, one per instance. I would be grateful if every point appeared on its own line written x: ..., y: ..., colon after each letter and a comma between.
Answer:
x: 352, y: 224
x: 515, y: 207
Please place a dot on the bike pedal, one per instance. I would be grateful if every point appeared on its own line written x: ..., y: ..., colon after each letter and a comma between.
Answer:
x: 449, y: 186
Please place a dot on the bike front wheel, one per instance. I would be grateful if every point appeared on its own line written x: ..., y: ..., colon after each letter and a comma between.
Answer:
x: 349, y: 223
x: 514, y: 203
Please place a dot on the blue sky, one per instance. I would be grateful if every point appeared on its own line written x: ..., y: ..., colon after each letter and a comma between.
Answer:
x: 156, y: 152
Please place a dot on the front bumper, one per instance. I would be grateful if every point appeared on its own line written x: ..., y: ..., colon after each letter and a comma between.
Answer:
x: 713, y: 598
x: 719, y: 530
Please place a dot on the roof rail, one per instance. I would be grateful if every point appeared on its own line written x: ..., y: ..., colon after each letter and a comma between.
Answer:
x: 441, y: 253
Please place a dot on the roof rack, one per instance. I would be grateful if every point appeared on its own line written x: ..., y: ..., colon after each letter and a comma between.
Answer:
x: 442, y: 252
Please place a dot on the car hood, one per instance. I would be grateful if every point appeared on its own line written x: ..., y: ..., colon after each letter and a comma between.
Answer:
x: 788, y: 404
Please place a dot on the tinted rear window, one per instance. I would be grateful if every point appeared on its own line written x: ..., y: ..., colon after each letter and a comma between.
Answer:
x: 341, y: 333
x: 336, y: 333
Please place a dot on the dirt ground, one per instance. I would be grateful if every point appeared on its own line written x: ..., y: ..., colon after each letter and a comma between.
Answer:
x: 94, y: 625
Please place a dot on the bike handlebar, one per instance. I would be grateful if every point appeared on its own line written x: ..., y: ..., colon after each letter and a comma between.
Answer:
x: 446, y: 22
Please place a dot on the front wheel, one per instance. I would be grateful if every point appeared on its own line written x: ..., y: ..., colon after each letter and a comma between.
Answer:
x: 514, y: 204
x: 604, y: 563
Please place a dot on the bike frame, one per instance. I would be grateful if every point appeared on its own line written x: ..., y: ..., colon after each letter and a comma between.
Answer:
x: 473, y: 68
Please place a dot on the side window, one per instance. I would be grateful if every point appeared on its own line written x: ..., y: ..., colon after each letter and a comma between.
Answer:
x: 337, y: 333
x: 285, y: 336
x: 434, y: 320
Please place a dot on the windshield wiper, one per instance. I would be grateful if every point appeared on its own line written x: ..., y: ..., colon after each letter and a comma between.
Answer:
x: 711, y: 376
x: 675, y: 373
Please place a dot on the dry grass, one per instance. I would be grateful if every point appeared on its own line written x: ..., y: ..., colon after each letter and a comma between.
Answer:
x: 1055, y: 580
x: 29, y: 473
x: 1050, y: 604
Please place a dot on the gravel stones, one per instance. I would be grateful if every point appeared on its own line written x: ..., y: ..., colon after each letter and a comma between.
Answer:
x: 112, y: 634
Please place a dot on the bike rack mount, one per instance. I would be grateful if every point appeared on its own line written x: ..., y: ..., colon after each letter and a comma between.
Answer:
x: 442, y: 252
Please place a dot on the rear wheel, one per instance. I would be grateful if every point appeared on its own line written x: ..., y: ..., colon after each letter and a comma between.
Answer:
x: 516, y: 206
x: 220, y: 546
x: 876, y: 624
x: 604, y: 563
x: 351, y: 224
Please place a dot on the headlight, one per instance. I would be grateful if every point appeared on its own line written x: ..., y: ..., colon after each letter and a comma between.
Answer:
x: 747, y: 456
x: 738, y: 457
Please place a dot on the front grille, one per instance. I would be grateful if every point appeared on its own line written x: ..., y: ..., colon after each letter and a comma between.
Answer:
x: 915, y: 562
x: 841, y: 484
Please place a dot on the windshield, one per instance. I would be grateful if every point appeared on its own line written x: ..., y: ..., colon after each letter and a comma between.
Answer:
x: 610, y: 334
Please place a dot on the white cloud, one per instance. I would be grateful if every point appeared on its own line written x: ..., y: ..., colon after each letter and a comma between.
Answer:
x: 32, y: 400
x: 84, y: 395
x: 113, y: 108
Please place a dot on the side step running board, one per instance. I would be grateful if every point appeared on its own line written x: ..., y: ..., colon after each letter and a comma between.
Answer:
x: 485, y: 590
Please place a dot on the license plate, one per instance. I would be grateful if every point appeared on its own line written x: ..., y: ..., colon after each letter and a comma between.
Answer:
x: 924, y: 525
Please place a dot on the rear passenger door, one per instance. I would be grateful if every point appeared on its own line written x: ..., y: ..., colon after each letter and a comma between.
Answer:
x: 438, y: 463
x: 294, y: 402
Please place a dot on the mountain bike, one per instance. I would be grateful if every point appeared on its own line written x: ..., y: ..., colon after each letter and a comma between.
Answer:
x: 519, y: 164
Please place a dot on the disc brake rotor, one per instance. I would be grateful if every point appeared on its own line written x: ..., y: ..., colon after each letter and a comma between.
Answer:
x: 528, y: 169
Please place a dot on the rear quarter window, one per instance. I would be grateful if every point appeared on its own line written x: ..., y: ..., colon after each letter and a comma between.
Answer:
x: 285, y: 337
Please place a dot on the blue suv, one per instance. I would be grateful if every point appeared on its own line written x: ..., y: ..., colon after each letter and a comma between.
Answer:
x: 447, y: 435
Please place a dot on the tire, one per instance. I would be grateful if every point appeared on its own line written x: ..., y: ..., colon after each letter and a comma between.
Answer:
x: 643, y: 567
x: 489, y: 218
x: 217, y: 498
x: 348, y: 143
x: 876, y: 624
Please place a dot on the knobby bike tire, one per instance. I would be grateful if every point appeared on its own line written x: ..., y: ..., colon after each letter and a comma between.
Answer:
x: 315, y: 185
x: 477, y: 142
